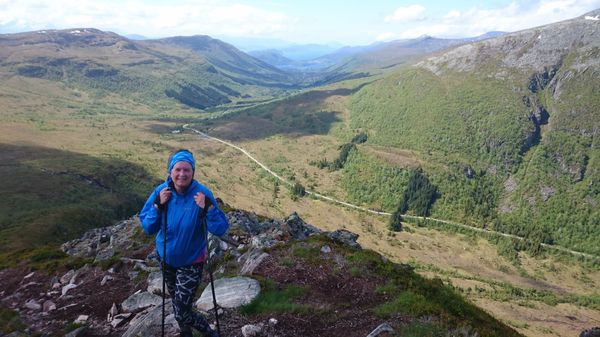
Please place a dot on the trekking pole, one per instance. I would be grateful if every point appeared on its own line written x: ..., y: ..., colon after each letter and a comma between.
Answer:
x: 164, y: 266
x: 208, y: 264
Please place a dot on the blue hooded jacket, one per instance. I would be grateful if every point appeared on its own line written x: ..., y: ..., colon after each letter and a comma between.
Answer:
x: 185, y: 238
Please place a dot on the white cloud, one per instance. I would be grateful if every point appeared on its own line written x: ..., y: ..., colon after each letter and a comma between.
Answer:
x: 182, y: 17
x: 385, y: 36
x: 404, y: 14
x: 452, y: 14
x: 517, y: 15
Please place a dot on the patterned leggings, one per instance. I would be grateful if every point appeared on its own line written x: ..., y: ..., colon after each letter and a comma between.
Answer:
x: 182, y: 283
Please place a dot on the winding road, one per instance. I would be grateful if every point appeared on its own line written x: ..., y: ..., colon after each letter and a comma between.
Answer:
x: 349, y: 205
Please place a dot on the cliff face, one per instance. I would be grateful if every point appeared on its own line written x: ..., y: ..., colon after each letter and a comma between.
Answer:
x: 536, y: 50
x: 273, y: 278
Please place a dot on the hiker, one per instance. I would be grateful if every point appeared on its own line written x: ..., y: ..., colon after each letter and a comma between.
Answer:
x: 183, y: 198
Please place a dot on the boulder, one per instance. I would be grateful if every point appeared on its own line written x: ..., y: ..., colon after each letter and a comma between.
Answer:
x: 230, y: 293
x: 155, y: 283
x: 344, y: 236
x: 593, y: 332
x: 384, y: 327
x: 297, y: 228
x: 148, y: 322
x: 247, y: 222
x: 119, y: 319
x: 251, y: 260
x: 140, y: 301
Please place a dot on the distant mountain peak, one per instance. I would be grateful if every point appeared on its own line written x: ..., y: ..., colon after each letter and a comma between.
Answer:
x: 593, y: 14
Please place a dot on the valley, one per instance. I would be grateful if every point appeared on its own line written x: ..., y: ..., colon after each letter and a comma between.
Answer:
x: 83, y: 140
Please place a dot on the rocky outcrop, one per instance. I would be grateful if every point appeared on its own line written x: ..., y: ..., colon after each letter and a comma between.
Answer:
x: 148, y: 322
x: 101, y: 243
x: 538, y: 51
x: 251, y: 259
x: 346, y: 237
x: 593, y: 332
x: 121, y: 301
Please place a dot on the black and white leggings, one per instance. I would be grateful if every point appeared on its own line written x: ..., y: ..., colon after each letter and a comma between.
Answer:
x: 182, y: 283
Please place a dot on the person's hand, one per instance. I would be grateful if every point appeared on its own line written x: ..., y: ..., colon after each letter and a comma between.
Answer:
x: 165, y: 195
x: 200, y: 200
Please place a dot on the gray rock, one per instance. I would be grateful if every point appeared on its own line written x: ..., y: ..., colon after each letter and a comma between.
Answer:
x: 133, y: 274
x: 119, y: 319
x: 344, y: 236
x: 155, y: 283
x: 68, y: 287
x: 263, y: 241
x: 248, y: 222
x: 95, y: 240
x: 140, y: 301
x: 385, y: 327
x: 48, y: 306
x: 297, y: 228
x: 66, y: 278
x: 251, y: 330
x: 114, y: 311
x: 593, y: 332
x: 326, y: 249
x: 33, y: 305
x: 105, y: 254
x: 230, y: 293
x: 144, y: 267
x: 251, y: 260
x: 105, y: 279
x: 148, y: 322
x: 81, y: 319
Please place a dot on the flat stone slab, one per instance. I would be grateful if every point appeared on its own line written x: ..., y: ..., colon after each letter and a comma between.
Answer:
x: 141, y: 301
x: 230, y: 292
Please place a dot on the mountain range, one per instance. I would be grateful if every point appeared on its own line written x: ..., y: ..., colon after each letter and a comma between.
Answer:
x: 497, y: 132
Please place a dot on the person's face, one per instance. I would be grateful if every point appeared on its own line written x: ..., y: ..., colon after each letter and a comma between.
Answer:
x: 182, y: 174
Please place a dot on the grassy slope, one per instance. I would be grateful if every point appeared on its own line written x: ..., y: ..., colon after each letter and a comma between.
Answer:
x: 108, y: 126
x: 137, y: 135
x: 461, y: 120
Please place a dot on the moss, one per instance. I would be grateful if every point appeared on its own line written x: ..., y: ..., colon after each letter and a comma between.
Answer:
x: 10, y: 321
x: 48, y: 258
x: 274, y: 299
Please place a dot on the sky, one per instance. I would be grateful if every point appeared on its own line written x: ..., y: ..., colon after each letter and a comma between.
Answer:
x: 346, y: 22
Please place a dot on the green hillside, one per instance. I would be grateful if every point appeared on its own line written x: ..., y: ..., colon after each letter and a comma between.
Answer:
x: 50, y: 195
x: 505, y: 129
x: 197, y: 72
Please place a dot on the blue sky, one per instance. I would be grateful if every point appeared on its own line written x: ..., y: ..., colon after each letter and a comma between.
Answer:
x: 347, y: 22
